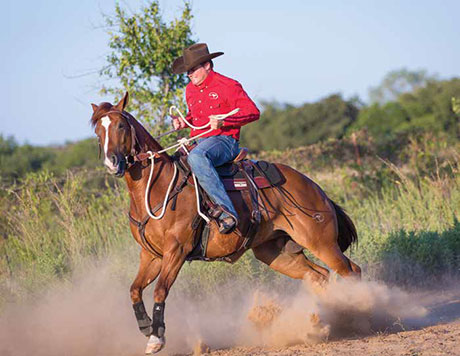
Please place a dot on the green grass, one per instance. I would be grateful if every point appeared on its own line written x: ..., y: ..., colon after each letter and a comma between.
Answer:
x: 406, y: 212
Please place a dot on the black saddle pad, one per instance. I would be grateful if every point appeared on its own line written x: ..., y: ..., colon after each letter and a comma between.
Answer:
x: 264, y: 168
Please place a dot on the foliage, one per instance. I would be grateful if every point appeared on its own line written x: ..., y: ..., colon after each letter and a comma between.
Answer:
x: 383, y: 120
x: 143, y: 47
x: 16, y: 161
x: 51, y: 223
x: 426, y: 109
x: 290, y: 126
x: 456, y: 105
x: 397, y: 82
x: 406, y: 213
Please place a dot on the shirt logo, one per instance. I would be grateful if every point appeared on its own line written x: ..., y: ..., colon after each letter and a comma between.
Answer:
x: 213, y: 95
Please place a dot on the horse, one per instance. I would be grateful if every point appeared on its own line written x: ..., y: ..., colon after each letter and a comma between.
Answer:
x: 166, y: 242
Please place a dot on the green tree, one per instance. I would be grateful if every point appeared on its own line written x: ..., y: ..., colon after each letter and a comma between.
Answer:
x: 382, y: 119
x: 143, y: 47
x: 18, y: 160
x: 398, y: 82
x: 428, y: 108
x: 456, y: 105
x: 287, y: 126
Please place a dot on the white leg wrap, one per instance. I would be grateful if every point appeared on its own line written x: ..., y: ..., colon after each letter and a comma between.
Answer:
x: 154, y: 345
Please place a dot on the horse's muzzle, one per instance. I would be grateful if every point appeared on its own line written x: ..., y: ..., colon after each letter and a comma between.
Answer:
x: 121, y: 168
x: 117, y: 165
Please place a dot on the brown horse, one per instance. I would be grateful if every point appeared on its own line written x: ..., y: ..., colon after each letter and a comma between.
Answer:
x: 167, y: 242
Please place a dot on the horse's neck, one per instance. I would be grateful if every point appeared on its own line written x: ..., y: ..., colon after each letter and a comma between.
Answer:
x: 137, y: 177
x: 146, y: 141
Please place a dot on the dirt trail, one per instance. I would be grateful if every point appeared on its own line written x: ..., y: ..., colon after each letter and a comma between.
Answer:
x: 92, y: 315
x: 441, y: 339
x: 437, y: 333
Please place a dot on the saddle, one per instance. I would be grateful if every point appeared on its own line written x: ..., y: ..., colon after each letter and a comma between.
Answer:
x: 243, y: 175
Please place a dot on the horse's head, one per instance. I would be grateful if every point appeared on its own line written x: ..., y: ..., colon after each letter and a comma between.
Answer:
x: 116, y: 135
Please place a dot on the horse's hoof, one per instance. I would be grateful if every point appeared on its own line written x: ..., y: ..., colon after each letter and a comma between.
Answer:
x: 154, y: 345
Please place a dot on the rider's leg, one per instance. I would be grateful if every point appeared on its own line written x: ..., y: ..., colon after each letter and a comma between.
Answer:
x: 212, y: 152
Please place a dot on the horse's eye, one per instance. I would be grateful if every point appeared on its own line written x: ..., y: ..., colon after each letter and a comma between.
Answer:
x: 121, y: 127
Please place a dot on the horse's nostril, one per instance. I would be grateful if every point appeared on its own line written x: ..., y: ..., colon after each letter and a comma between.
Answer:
x: 114, y: 160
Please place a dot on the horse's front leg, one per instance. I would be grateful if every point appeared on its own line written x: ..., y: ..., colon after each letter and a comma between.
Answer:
x: 149, y: 268
x: 173, y: 259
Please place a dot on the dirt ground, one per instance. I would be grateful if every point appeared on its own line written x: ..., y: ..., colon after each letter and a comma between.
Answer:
x: 93, y: 316
x: 443, y: 339
x: 437, y: 334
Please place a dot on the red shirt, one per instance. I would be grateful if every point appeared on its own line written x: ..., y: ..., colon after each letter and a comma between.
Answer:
x: 219, y: 95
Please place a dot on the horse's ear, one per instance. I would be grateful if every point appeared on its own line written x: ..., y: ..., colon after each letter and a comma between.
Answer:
x: 123, y: 102
x: 95, y: 107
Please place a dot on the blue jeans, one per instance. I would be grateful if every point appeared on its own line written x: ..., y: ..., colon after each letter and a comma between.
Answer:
x: 212, y: 152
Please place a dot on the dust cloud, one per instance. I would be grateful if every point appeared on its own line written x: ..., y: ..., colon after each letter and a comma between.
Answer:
x: 92, y: 315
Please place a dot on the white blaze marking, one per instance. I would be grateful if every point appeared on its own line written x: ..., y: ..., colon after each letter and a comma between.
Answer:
x: 106, y: 123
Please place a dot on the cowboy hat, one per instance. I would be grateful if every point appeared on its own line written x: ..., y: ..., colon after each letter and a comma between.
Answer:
x: 192, y: 56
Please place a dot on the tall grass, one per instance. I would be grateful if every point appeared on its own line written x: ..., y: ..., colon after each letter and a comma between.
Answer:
x: 54, y: 224
x: 410, y: 233
x: 406, y: 214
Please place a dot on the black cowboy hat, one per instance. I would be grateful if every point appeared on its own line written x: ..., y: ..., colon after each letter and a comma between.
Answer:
x: 192, y: 56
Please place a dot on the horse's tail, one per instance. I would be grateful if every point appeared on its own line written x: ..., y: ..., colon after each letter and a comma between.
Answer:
x: 347, y: 230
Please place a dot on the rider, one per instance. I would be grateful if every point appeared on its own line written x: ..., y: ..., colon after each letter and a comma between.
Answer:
x: 210, y: 93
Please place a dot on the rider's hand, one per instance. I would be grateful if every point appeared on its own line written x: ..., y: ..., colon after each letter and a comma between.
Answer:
x: 215, y: 123
x: 178, y: 123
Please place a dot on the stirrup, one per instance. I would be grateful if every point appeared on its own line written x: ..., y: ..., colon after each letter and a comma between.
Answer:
x: 227, y: 225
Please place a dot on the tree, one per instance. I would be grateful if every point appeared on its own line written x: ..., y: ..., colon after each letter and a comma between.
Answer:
x: 382, y: 120
x: 398, y: 82
x: 431, y: 108
x: 143, y: 49
x: 428, y: 108
x: 287, y: 126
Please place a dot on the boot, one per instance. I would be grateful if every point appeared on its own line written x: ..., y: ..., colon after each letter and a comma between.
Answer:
x: 227, y: 225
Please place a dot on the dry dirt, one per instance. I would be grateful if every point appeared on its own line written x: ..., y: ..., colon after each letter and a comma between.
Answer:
x: 436, y: 333
x: 441, y: 339
x: 92, y: 316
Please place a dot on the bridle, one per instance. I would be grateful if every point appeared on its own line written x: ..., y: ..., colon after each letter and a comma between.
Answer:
x: 135, y: 154
x: 138, y: 156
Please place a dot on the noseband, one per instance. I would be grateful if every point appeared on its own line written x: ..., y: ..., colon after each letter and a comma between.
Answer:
x: 135, y: 155
x: 133, y: 152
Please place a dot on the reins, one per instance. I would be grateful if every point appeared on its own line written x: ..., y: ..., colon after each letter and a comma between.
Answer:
x: 136, y: 156
x: 181, y: 143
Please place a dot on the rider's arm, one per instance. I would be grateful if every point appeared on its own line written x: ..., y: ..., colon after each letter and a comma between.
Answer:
x: 238, y: 98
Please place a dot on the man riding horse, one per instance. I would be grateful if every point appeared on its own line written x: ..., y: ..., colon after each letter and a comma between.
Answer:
x: 299, y: 212
x: 208, y: 94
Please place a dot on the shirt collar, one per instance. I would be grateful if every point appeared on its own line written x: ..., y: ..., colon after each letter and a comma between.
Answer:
x: 207, y: 81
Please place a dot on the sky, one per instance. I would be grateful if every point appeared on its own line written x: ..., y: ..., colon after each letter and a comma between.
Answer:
x: 291, y: 51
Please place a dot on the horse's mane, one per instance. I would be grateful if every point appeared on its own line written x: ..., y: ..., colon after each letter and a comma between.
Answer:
x: 145, y: 140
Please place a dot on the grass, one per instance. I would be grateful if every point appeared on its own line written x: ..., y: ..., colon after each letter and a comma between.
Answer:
x: 406, y: 211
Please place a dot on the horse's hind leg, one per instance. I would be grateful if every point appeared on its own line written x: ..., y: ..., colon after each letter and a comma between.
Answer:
x: 294, y: 265
x: 321, y: 239
x: 336, y: 260
x: 149, y: 268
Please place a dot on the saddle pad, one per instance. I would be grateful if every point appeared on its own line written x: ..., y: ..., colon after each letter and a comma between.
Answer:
x: 241, y: 184
x: 265, y: 175
x: 271, y: 172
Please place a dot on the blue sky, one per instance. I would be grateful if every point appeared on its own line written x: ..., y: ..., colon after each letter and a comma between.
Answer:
x: 292, y: 51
